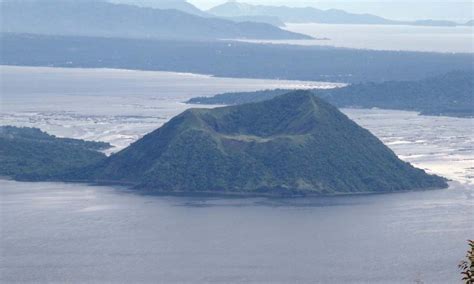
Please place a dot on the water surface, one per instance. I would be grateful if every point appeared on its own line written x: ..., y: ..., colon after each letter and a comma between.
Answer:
x: 387, y: 37
x: 53, y: 232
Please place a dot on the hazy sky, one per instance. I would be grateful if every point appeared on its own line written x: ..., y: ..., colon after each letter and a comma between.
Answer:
x: 394, y: 9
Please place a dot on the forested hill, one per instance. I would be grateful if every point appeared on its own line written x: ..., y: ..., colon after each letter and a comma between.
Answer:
x: 292, y: 144
x: 30, y: 154
x: 295, y: 144
x: 450, y: 94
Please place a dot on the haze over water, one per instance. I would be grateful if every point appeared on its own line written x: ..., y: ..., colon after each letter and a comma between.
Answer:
x: 386, y: 37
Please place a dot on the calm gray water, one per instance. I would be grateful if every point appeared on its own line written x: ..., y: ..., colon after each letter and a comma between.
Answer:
x: 388, y: 37
x: 68, y: 233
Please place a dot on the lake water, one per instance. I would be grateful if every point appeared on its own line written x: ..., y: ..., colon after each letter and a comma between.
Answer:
x: 66, y: 233
x: 55, y: 232
x: 388, y: 37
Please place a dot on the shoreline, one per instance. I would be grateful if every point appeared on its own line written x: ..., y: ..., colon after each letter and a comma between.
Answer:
x: 123, y: 71
x: 128, y: 188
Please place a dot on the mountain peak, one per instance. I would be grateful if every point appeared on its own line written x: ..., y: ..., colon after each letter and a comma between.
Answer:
x: 104, y: 19
x: 298, y: 112
x: 295, y: 143
x: 180, y: 5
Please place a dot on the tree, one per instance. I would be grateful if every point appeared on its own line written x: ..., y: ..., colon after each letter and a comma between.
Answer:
x: 467, y: 266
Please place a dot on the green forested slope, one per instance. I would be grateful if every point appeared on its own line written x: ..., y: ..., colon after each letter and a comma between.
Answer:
x: 30, y: 154
x: 295, y: 143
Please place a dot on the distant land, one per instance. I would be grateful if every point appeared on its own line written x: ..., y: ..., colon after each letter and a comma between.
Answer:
x: 435, y: 23
x: 229, y: 59
x: 275, y: 21
x: 448, y: 95
x: 30, y: 154
x: 184, y: 6
x: 295, y: 144
x: 103, y: 19
x: 180, y: 5
x: 295, y: 15
x: 314, y: 15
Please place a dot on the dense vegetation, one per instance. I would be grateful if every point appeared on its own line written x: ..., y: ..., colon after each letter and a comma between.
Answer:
x: 103, y: 19
x: 467, y: 266
x: 293, y: 144
x: 229, y: 59
x: 450, y: 94
x: 30, y: 154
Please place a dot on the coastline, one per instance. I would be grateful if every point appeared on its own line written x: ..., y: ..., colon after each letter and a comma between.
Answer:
x: 129, y: 188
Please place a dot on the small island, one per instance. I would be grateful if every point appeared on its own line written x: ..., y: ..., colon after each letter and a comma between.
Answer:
x: 292, y: 145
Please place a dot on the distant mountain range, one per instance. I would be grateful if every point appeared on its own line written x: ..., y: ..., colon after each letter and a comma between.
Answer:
x: 103, y: 19
x: 295, y: 15
x: 313, y: 15
x: 449, y: 94
x: 171, y: 19
x: 180, y: 5
x: 184, y: 6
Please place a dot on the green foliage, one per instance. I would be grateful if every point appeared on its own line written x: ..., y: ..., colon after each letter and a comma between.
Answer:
x: 450, y: 94
x: 293, y: 144
x: 238, y: 98
x: 30, y: 154
x: 467, y: 266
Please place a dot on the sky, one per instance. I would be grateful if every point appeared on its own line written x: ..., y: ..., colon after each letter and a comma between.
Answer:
x: 393, y: 9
